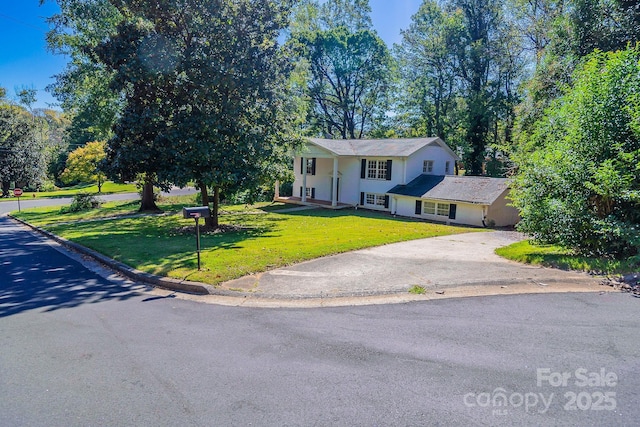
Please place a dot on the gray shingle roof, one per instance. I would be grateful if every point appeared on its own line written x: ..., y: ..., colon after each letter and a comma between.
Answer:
x: 469, y: 189
x: 377, y: 147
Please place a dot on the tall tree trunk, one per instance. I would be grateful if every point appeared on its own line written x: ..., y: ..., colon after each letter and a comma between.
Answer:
x: 216, y: 207
x: 204, y: 193
x: 148, y: 204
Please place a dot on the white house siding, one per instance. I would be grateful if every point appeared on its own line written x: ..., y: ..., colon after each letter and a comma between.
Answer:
x: 404, y: 206
x: 348, y: 174
x: 466, y: 213
x: 349, y: 191
x: 380, y: 186
x: 431, y: 152
x: 502, y: 214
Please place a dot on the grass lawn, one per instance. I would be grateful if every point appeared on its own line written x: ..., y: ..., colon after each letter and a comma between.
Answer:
x: 107, y: 188
x: 559, y: 257
x: 264, y: 238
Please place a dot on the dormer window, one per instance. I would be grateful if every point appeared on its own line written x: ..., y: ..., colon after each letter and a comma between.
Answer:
x: 427, y: 166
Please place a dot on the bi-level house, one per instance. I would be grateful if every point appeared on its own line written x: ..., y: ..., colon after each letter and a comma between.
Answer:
x: 408, y: 177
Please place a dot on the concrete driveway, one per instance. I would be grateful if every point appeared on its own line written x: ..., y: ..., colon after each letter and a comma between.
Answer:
x: 440, y: 264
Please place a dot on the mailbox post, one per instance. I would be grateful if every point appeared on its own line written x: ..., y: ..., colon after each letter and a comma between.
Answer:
x: 197, y: 213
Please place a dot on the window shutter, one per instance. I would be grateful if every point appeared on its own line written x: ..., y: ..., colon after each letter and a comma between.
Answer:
x: 389, y: 163
x: 452, y: 211
x: 313, y: 192
x: 418, y: 207
x: 362, y: 198
x: 313, y: 166
x: 386, y: 202
x: 363, y: 169
x: 301, y: 165
x: 300, y: 191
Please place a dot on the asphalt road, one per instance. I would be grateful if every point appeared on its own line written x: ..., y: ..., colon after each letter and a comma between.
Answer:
x: 78, y: 349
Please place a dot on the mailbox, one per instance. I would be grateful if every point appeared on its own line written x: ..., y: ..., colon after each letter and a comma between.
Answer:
x: 197, y: 212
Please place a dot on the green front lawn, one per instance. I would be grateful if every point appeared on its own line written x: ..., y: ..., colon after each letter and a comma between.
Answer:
x: 107, y: 188
x: 263, y: 238
x: 559, y: 257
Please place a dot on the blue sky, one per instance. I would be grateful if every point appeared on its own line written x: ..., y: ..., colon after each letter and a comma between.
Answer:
x: 25, y: 61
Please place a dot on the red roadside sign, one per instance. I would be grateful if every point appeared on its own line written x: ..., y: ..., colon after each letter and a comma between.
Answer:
x: 17, y: 192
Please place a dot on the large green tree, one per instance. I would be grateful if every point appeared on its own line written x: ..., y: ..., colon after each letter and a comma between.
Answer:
x: 137, y: 148
x: 461, y: 64
x: 572, y: 29
x: 479, y: 50
x: 84, y: 86
x: 431, y: 89
x: 204, y: 92
x: 83, y: 165
x: 535, y: 21
x: 22, y: 151
x: 578, y: 181
x: 345, y: 69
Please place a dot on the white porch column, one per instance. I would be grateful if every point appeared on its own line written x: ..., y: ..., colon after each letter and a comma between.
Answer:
x: 404, y: 171
x: 334, y: 193
x: 304, y: 179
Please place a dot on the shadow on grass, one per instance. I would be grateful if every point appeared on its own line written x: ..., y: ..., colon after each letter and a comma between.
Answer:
x: 158, y: 244
x: 36, y: 276
x: 360, y: 213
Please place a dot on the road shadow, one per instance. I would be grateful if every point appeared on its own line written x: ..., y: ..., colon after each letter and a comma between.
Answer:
x: 35, y: 276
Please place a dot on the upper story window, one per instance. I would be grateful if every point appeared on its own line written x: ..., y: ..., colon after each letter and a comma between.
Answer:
x: 427, y: 166
x: 377, y: 169
x: 308, y: 165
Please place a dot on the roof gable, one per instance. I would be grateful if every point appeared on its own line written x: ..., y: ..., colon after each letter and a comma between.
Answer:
x: 469, y: 189
x: 378, y: 147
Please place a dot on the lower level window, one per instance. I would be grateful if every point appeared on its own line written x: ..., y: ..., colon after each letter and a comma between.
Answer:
x: 429, y: 208
x: 375, y: 199
x: 443, y: 209
x: 309, y: 192
x: 433, y: 208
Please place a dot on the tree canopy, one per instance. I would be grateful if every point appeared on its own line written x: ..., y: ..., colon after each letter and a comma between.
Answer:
x: 22, y: 151
x: 460, y: 65
x: 84, y: 165
x: 203, y: 91
x: 579, y: 167
x: 345, y: 69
